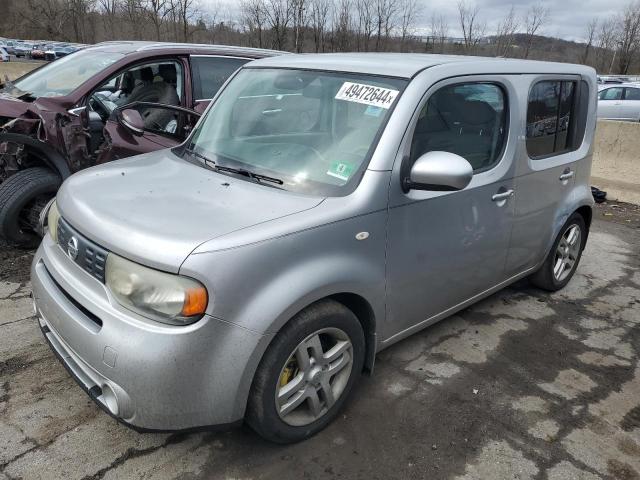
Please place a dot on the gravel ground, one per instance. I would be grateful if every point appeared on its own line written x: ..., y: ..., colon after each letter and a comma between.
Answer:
x: 523, y: 385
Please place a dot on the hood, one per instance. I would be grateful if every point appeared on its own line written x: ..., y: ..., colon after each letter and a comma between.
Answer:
x: 11, y: 106
x: 157, y: 208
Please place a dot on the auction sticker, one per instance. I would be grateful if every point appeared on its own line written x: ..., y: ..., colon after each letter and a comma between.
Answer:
x: 367, y: 94
x: 340, y: 170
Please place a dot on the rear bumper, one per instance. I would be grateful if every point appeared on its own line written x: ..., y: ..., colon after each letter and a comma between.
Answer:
x: 148, y: 375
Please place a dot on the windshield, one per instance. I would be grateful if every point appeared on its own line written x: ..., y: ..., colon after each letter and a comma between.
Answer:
x: 66, y: 74
x: 313, y: 130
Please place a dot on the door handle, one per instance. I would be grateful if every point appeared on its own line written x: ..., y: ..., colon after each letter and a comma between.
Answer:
x: 502, y: 196
x: 565, y: 176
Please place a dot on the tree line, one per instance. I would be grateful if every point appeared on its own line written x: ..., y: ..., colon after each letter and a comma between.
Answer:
x: 611, y: 44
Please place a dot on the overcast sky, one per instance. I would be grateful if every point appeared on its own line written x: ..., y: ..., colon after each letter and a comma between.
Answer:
x: 568, y: 18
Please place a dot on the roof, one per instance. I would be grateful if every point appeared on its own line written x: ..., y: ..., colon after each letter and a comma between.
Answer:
x: 602, y: 86
x: 406, y: 65
x: 127, y: 47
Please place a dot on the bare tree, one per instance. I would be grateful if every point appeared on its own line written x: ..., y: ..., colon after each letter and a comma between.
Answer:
x: 300, y: 18
x: 367, y: 23
x: 278, y: 14
x: 133, y: 12
x: 606, y: 44
x: 319, y: 17
x: 472, y: 29
x: 408, y: 11
x: 534, y: 20
x: 47, y: 17
x: 591, y: 35
x: 505, y: 33
x: 439, y: 31
x: 254, y: 19
x: 186, y: 12
x: 628, y: 36
x: 78, y: 11
x: 385, y: 18
x: 109, y: 10
x: 342, y: 26
x: 156, y: 11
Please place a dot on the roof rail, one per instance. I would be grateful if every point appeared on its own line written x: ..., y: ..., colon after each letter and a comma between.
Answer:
x: 203, y: 46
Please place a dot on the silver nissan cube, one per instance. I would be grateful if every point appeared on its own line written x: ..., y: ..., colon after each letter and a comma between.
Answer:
x: 325, y: 207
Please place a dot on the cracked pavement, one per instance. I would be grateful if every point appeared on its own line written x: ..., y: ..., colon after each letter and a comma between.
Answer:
x: 523, y: 385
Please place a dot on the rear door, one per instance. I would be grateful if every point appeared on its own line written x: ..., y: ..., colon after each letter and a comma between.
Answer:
x: 208, y: 74
x: 555, y: 113
x: 610, y: 103
x: 630, y: 108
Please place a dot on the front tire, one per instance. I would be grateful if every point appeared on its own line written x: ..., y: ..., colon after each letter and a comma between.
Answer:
x: 565, y: 254
x: 22, y: 197
x: 307, y: 373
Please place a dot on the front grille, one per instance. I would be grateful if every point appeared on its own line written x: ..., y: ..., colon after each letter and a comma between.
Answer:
x: 90, y: 257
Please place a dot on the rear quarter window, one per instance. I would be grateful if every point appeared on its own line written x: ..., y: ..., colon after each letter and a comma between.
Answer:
x: 556, y: 117
x: 210, y: 73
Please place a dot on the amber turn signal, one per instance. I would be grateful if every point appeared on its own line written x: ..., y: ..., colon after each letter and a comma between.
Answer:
x: 195, y: 302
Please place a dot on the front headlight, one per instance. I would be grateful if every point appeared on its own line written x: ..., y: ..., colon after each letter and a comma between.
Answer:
x: 52, y: 221
x: 161, y: 296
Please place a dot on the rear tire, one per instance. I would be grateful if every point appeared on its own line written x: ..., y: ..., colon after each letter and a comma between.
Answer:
x: 564, y: 256
x: 316, y: 392
x: 21, y: 195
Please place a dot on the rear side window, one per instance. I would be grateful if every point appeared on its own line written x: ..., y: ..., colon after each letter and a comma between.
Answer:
x: 610, y: 94
x: 550, y: 118
x: 467, y: 119
x: 632, y: 94
x: 209, y: 73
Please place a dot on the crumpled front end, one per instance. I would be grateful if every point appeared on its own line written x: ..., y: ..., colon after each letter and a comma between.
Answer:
x: 13, y: 154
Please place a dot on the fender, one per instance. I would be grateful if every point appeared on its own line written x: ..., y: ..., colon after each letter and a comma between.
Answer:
x: 306, y: 294
x: 267, y: 298
x: 48, y: 154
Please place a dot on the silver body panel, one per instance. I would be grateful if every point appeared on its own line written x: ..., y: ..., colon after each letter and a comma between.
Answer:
x: 265, y: 254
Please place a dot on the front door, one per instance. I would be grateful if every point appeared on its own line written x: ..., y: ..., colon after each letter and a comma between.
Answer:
x: 447, y: 247
x: 165, y: 126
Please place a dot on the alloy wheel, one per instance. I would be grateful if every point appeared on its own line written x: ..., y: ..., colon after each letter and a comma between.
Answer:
x: 567, y: 253
x: 314, y: 376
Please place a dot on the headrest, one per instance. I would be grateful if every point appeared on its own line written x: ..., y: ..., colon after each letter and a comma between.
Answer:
x: 146, y: 74
x: 168, y: 72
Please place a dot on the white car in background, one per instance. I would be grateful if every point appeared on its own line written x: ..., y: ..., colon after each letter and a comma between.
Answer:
x: 619, y: 102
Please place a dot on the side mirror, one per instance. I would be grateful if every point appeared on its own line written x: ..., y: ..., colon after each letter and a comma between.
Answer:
x: 440, y: 172
x: 132, y: 121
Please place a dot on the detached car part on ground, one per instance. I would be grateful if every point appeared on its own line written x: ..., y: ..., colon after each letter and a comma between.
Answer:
x: 68, y: 115
x: 326, y: 207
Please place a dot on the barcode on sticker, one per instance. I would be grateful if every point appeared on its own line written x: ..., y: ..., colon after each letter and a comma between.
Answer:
x: 367, y: 94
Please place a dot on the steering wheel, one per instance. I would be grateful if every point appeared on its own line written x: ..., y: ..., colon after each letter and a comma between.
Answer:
x: 100, y: 107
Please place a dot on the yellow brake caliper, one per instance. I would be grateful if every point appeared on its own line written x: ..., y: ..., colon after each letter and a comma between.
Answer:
x: 288, y: 373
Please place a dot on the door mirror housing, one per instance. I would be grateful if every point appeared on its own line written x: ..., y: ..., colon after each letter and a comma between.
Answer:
x: 132, y: 121
x: 440, y: 172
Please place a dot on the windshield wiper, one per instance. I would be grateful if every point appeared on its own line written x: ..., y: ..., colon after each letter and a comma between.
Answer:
x: 238, y: 171
x: 192, y: 151
x: 249, y: 174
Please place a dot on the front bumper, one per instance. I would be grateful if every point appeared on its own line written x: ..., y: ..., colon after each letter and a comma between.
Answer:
x: 149, y: 375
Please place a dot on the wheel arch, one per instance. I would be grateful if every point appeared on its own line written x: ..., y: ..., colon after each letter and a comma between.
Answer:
x: 43, y: 152
x: 361, y: 308
x: 586, y: 211
x: 363, y: 311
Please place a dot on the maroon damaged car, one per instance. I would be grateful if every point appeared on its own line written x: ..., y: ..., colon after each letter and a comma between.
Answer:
x: 109, y: 101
